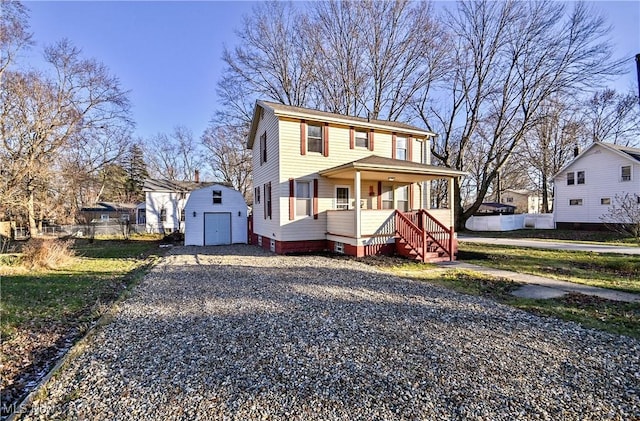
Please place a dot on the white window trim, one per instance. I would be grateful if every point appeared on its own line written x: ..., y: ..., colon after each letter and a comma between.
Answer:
x: 585, y: 177
x: 393, y: 195
x: 335, y: 197
x: 630, y: 173
x: 603, y: 199
x: 309, y: 125
x: 310, y: 198
x: 355, y: 139
x: 578, y: 204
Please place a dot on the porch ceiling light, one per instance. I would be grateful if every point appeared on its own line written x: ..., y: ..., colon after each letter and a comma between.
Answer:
x: 391, y: 178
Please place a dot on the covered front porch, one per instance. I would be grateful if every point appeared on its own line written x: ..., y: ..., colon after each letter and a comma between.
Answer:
x: 394, y: 213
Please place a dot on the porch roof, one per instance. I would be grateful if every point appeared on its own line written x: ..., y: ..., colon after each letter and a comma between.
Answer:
x: 381, y: 169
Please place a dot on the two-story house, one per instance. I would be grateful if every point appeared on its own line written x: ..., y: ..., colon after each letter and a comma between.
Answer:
x: 586, y: 187
x: 324, y: 181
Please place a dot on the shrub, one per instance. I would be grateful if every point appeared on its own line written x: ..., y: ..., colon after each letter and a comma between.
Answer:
x: 46, y: 253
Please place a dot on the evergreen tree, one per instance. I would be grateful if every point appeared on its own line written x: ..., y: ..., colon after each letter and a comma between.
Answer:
x: 136, y: 170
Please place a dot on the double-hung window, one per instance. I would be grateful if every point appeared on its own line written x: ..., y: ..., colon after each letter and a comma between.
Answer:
x: 314, y: 138
x: 403, y: 198
x: 163, y: 215
x: 571, y: 180
x: 580, y: 177
x: 362, y: 139
x: 217, y: 197
x: 625, y: 173
x: 303, y: 198
x: 401, y: 148
x: 342, y: 198
x: 263, y: 148
x: 387, y: 196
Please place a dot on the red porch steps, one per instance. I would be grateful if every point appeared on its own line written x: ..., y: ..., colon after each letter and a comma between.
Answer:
x: 409, y: 252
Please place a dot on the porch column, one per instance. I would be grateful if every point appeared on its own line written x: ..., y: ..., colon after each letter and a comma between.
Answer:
x: 452, y: 220
x: 356, y: 182
x: 426, y: 195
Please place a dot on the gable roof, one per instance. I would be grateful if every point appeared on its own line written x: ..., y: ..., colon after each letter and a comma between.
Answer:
x: 152, y: 184
x: 281, y: 110
x: 626, y: 152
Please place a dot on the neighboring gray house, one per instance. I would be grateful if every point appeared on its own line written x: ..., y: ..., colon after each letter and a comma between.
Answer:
x: 215, y: 215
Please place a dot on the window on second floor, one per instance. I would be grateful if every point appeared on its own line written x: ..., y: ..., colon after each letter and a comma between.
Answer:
x: 314, y: 138
x: 401, y: 148
x: 625, y: 173
x: 362, y: 139
x: 580, y: 176
x: 163, y: 215
x: 263, y: 148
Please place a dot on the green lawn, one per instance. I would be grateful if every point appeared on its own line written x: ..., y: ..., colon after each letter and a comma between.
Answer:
x: 75, y: 294
x: 593, y: 312
x: 614, y: 271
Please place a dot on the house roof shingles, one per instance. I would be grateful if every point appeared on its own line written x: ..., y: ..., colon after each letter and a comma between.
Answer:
x: 152, y: 184
x: 307, y: 113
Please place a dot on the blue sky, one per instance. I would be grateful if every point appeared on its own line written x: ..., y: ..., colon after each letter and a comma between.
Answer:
x: 169, y: 53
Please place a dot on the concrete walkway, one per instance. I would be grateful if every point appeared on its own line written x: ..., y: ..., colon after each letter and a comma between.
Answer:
x: 539, y: 287
x: 552, y: 245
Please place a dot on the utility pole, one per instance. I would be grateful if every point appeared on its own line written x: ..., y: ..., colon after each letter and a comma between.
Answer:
x: 638, y: 72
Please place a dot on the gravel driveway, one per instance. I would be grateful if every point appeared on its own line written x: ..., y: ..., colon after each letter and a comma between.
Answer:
x: 237, y: 333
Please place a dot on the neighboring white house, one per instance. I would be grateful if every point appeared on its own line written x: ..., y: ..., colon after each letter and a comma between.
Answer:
x: 215, y: 215
x: 586, y: 187
x: 164, y: 204
x: 325, y: 181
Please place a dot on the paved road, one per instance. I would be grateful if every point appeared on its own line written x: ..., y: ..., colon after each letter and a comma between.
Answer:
x: 542, y: 244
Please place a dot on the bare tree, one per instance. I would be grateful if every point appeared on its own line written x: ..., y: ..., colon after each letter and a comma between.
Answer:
x: 14, y: 32
x: 509, y: 58
x: 623, y: 216
x: 42, y: 115
x: 557, y: 135
x: 270, y: 61
x: 613, y: 117
x: 175, y: 156
x: 229, y: 158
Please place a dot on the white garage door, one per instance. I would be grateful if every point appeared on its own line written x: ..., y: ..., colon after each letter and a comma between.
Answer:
x: 217, y: 229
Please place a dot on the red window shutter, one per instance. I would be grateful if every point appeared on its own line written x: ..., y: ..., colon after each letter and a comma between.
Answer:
x: 292, y: 200
x: 315, y: 198
x: 303, y: 137
x: 325, y: 138
x: 371, y: 140
x: 410, y: 149
x: 379, y: 194
x: 393, y: 145
x: 411, y: 196
x: 352, y: 138
x: 264, y: 196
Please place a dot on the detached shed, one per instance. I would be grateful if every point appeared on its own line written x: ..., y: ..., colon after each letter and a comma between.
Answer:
x: 215, y: 215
